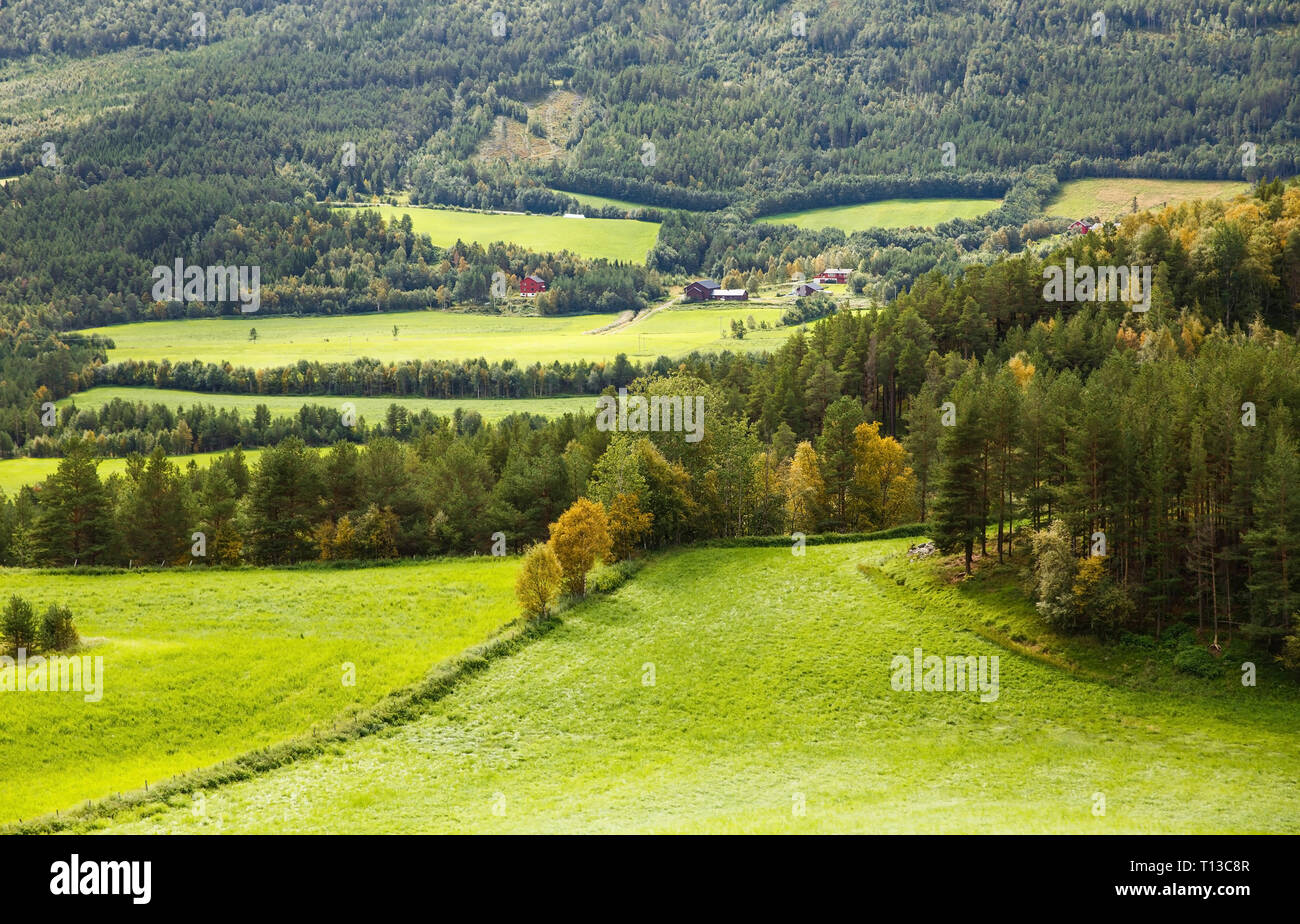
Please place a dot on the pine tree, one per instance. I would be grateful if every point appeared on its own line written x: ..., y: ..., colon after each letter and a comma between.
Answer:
x: 958, y: 508
x: 157, y: 512
x: 835, y: 452
x: 1274, y: 543
x: 74, y: 523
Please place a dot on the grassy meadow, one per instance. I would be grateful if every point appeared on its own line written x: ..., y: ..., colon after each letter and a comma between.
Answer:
x: 611, y: 238
x: 372, y: 409
x: 770, y: 691
x: 1113, y: 197
x: 885, y: 213
x: 599, y: 202
x: 202, y: 665
x: 16, y: 473
x: 435, y: 335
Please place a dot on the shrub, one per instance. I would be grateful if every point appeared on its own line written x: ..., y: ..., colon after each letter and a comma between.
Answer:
x: 1197, y: 661
x: 538, y: 583
x: 58, y: 632
x: 18, y: 625
x: 808, y: 308
x: 1098, y: 600
x: 1138, y: 641
x: 1055, y: 568
x: 608, y: 578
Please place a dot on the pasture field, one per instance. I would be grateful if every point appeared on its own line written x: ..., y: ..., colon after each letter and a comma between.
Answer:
x: 201, y: 665
x: 435, y: 335
x: 722, y: 689
x: 612, y: 238
x: 599, y: 202
x: 372, y: 409
x: 1113, y: 197
x: 885, y: 213
x: 16, y: 473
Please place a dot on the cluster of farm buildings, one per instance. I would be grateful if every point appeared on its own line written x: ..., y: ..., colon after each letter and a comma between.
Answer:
x: 704, y: 290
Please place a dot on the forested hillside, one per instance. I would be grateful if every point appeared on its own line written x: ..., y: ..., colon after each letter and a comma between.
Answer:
x: 738, y: 108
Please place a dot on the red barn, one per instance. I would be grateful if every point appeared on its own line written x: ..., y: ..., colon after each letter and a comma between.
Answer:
x: 701, y: 290
x: 531, y: 285
x: 837, y: 276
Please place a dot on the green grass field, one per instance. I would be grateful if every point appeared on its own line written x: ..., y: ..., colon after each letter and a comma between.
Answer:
x: 886, y: 213
x: 15, y: 473
x: 372, y: 409
x: 200, y: 666
x: 772, y: 690
x: 1113, y: 197
x: 600, y: 202
x: 434, y: 335
x: 612, y: 238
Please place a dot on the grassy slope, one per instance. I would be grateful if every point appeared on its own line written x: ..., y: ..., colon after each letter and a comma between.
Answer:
x: 1109, y: 198
x: 614, y: 239
x: 373, y: 409
x: 431, y: 335
x: 598, y: 202
x: 773, y: 681
x: 14, y: 473
x: 202, y: 665
x: 887, y: 213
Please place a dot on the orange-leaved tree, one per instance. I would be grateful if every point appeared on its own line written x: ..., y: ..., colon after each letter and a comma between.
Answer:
x: 628, y: 526
x: 580, y: 538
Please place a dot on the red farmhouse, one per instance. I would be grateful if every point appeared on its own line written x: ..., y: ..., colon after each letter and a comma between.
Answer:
x: 531, y: 285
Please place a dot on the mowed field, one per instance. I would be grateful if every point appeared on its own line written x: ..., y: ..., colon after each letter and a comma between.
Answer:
x: 200, y: 665
x: 600, y: 202
x: 372, y: 409
x: 436, y: 335
x: 1113, y: 197
x: 611, y: 238
x: 726, y: 690
x: 15, y: 473
x: 886, y: 213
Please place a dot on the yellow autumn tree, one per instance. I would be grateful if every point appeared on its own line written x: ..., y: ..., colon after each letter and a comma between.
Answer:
x: 884, y: 485
x: 805, y: 490
x: 538, y: 583
x: 580, y: 538
x: 343, y: 544
x: 628, y: 526
x: 1021, y: 368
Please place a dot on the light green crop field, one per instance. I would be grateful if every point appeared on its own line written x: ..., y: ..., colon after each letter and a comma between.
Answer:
x: 199, y: 666
x: 1113, y: 197
x: 16, y: 473
x: 436, y: 335
x: 886, y: 213
x: 722, y: 690
x: 599, y: 202
x: 372, y: 409
x: 612, y: 238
